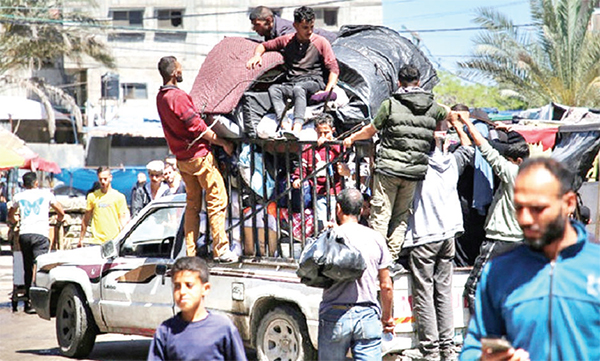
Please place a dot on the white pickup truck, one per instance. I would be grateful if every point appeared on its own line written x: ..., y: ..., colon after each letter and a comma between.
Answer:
x: 125, y: 287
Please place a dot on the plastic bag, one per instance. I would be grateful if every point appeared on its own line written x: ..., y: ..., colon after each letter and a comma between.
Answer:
x: 329, y: 259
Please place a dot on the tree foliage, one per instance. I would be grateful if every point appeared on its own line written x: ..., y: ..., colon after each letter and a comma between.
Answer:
x: 452, y: 90
x: 37, y: 32
x: 558, y: 62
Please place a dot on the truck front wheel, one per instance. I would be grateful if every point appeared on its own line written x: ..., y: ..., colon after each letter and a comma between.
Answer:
x: 282, y: 335
x: 75, y: 328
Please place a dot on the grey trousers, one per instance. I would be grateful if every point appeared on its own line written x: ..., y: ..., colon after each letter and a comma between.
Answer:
x: 431, y: 267
x: 299, y: 92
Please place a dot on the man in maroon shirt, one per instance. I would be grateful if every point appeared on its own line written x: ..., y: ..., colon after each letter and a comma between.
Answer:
x: 189, y: 139
x: 307, y: 58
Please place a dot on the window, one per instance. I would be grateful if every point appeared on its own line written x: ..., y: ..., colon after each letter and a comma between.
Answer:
x: 169, y: 18
x: 154, y: 235
x: 133, y: 18
x: 127, y: 18
x: 134, y: 91
x: 326, y: 17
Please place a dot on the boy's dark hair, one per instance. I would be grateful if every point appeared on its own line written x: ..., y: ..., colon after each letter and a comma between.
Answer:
x: 260, y: 13
x: 102, y: 168
x: 350, y: 201
x: 29, y: 179
x: 193, y: 264
x: 166, y: 66
x: 409, y: 75
x: 304, y: 13
x: 565, y: 177
x: 517, y: 150
x: 460, y: 108
x: 323, y: 119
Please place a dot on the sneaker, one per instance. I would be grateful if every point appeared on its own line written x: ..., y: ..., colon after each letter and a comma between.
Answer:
x: 449, y: 355
x: 395, y: 269
x: 289, y: 135
x: 415, y: 354
x: 29, y: 310
x: 227, y: 257
x: 278, y: 136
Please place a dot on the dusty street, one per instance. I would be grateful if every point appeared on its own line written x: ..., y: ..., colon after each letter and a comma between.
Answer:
x: 28, y: 337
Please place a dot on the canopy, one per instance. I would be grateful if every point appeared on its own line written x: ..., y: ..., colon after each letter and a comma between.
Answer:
x: 15, y: 153
x: 23, y: 108
x: 9, y: 158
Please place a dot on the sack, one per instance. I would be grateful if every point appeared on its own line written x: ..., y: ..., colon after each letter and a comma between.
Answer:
x: 329, y: 259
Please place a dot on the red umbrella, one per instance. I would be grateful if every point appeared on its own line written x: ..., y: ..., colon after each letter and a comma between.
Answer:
x: 39, y: 163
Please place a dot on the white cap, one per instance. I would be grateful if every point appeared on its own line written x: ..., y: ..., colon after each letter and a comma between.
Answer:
x: 155, y: 166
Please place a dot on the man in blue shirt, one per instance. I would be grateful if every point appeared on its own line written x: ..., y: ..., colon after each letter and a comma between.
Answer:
x: 543, y: 296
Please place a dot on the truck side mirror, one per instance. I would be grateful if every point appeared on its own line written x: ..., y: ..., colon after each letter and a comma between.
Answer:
x: 109, y: 250
x: 161, y: 270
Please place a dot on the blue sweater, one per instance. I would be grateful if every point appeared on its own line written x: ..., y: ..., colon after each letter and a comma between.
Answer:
x: 550, y: 309
x: 213, y: 338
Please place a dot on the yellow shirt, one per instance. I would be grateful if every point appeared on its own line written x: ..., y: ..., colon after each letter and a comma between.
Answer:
x: 107, y: 207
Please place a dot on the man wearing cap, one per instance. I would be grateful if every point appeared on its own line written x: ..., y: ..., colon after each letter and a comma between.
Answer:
x: 156, y: 188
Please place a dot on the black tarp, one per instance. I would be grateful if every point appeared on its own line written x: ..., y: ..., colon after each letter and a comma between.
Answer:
x: 369, y: 58
x: 577, y: 145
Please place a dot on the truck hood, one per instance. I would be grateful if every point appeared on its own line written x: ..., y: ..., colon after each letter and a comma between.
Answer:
x: 85, y: 255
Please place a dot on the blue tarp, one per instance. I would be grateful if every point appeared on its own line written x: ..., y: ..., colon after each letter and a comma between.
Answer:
x: 83, y: 178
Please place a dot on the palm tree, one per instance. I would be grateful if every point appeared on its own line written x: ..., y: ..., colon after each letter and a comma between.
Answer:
x: 558, y: 62
x: 35, y: 34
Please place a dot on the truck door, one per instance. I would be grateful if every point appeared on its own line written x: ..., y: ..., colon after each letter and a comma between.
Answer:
x: 134, y: 299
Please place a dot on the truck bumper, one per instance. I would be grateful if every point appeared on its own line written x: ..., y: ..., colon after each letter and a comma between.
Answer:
x: 40, y: 300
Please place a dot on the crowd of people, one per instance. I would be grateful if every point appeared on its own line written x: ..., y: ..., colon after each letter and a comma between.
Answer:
x: 535, y: 282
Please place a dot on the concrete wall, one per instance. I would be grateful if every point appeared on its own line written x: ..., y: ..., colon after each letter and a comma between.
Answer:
x: 65, y: 155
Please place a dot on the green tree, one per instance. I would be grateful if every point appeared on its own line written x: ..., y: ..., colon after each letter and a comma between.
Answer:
x: 453, y: 90
x: 559, y: 61
x: 36, y: 34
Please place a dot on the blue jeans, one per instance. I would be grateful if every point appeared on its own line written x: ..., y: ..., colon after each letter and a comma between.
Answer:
x: 357, y: 328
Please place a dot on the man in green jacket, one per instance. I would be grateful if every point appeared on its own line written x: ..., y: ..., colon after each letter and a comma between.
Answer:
x: 405, y: 123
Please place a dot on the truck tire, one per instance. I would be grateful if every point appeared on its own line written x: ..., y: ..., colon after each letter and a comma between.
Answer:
x: 282, y: 335
x: 75, y: 327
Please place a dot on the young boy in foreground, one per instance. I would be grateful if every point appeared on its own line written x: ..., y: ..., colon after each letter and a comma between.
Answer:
x: 195, y: 333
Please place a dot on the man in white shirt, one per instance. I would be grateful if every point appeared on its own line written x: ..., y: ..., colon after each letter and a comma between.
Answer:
x: 33, y: 205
